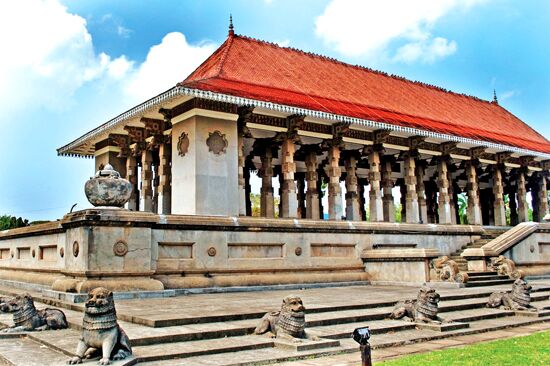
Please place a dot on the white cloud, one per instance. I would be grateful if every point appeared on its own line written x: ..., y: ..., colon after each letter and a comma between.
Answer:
x: 167, y: 64
x: 428, y: 51
x: 508, y: 94
x: 123, y: 31
x: 367, y: 28
x: 47, y: 54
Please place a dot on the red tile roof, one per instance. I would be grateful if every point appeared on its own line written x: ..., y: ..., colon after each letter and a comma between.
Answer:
x: 259, y: 70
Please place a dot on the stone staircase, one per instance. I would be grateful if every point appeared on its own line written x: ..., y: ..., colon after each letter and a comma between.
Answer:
x: 164, y: 333
x: 489, y: 235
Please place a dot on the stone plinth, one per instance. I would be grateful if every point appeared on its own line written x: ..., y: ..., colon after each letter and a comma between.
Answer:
x: 399, y: 265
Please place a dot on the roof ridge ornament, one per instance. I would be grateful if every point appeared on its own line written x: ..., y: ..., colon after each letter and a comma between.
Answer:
x: 495, y: 100
x: 231, y: 32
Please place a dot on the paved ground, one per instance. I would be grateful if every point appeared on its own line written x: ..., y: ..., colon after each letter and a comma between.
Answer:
x: 353, y: 359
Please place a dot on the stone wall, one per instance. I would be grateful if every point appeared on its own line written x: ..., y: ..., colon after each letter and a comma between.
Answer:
x: 128, y: 250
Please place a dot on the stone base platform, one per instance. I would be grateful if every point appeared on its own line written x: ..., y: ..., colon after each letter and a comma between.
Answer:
x: 216, y: 329
x: 444, y: 327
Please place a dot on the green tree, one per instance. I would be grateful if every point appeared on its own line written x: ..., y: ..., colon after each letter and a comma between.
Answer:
x: 11, y: 222
x: 463, y: 208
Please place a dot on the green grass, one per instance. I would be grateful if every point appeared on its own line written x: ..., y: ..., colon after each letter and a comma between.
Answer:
x: 533, y: 349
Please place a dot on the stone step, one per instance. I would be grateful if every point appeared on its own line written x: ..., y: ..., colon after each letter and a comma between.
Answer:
x: 203, y: 347
x: 19, y: 351
x: 378, y: 341
x: 487, y: 278
x: 488, y: 283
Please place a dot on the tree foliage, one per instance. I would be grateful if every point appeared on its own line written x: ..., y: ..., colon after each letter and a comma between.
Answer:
x: 11, y: 222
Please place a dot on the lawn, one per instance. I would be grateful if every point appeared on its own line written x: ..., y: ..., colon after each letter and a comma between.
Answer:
x: 533, y: 349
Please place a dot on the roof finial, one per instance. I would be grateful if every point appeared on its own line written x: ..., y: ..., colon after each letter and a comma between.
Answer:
x: 231, y: 31
x: 495, y: 100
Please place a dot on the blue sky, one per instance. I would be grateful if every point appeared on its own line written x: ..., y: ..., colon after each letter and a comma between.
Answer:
x: 68, y: 66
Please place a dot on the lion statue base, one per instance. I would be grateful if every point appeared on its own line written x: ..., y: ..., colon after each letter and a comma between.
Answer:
x: 505, y: 267
x: 100, y: 330
x: 519, y: 299
x: 445, y: 269
x: 422, y: 310
x: 27, y: 318
x: 288, y: 323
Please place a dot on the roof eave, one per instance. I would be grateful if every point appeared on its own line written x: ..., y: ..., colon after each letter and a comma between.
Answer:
x: 69, y: 149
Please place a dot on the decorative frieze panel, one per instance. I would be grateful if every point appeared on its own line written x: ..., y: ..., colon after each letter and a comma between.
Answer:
x: 183, y: 144
x: 255, y: 250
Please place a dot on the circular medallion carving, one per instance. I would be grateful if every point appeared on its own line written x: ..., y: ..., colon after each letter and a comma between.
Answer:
x: 211, y: 251
x: 183, y: 144
x: 217, y: 143
x: 120, y: 248
x: 298, y: 251
x: 76, y: 249
x: 62, y: 252
x: 532, y: 248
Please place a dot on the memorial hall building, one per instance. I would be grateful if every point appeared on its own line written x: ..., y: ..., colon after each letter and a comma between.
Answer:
x: 341, y: 140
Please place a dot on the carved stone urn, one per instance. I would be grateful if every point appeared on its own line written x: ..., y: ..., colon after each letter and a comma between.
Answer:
x: 107, y: 188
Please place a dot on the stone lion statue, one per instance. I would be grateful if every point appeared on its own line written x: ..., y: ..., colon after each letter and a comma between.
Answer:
x: 423, y: 309
x: 505, y: 267
x: 27, y: 318
x: 288, y: 323
x: 518, y: 299
x: 100, y: 330
x: 445, y: 269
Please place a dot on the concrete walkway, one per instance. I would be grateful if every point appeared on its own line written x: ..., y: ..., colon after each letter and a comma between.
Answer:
x: 379, y: 355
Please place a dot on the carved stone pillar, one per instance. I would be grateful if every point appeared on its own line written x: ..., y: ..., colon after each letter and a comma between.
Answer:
x: 513, y: 206
x: 164, y: 173
x: 267, y: 202
x: 452, y: 197
x: 146, y: 198
x: 498, y: 193
x: 411, y: 198
x: 241, y: 160
x: 376, y: 211
x: 542, y: 194
x: 523, y: 206
x: 289, y: 200
x: 301, y: 187
x: 131, y: 176
x: 320, y: 174
x: 334, y: 190
x: 352, y: 194
x: 444, y: 202
x: 421, y: 193
x: 388, y: 206
x: 247, y: 190
x: 474, y: 208
x: 361, y: 192
x: 312, y: 193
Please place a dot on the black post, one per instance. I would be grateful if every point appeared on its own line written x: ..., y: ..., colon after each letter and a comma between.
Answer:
x: 366, y: 359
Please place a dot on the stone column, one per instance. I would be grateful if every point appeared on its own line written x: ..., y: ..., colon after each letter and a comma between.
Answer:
x: 146, y: 199
x: 523, y: 207
x: 267, y: 202
x: 411, y: 199
x: 444, y: 202
x: 241, y: 160
x: 334, y: 191
x: 361, y: 193
x: 376, y: 211
x: 474, y: 209
x: 320, y: 174
x: 388, y: 206
x: 247, y: 190
x: 164, y: 173
x: 421, y: 193
x: 312, y: 193
x: 498, y: 192
x: 452, y: 197
x: 542, y: 203
x: 301, y: 193
x: 513, y: 206
x: 352, y: 195
x: 289, y: 200
x: 131, y: 176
